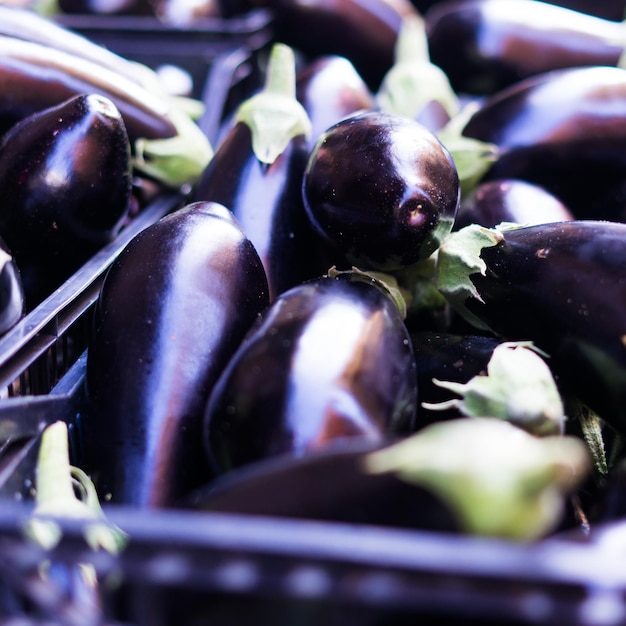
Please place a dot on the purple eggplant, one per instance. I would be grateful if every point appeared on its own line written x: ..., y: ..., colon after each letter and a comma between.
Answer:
x: 479, y: 476
x: 381, y: 189
x: 330, y: 359
x: 173, y: 308
x: 487, y: 45
x: 559, y: 285
x: 65, y: 176
x: 449, y: 357
x: 364, y: 31
x: 565, y: 131
x: 330, y: 88
x: 257, y: 172
x: 510, y: 200
x: 332, y: 484
x: 11, y: 290
x: 167, y: 145
x: 29, y: 25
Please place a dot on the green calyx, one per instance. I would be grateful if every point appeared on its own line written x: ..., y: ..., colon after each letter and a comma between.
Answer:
x: 498, y: 480
x: 458, y: 258
x: 472, y: 157
x: 274, y: 115
x: 414, y: 81
x: 385, y: 282
x: 55, y: 498
x: 175, y: 161
x: 518, y: 387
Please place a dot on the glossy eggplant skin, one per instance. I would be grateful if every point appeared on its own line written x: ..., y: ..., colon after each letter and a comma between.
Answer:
x: 492, y: 202
x: 450, y: 357
x: 326, y: 485
x: 565, y: 131
x: 487, y: 45
x: 329, y: 360
x: 35, y: 76
x: 381, y: 189
x: 32, y: 26
x: 173, y: 309
x: 562, y: 286
x: 11, y: 290
x: 364, y: 31
x: 267, y: 202
x: 330, y: 88
x: 65, y: 176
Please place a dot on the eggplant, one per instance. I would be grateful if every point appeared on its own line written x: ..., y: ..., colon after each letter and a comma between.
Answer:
x: 609, y: 9
x: 451, y: 357
x: 11, y: 290
x: 560, y: 285
x: 257, y: 172
x: 364, y: 31
x: 326, y: 485
x: 26, y: 24
x: 173, y: 308
x: 564, y: 131
x: 329, y: 360
x: 517, y: 201
x: 486, y: 45
x: 65, y: 176
x: 479, y: 476
x: 167, y: 145
x: 330, y: 88
x: 381, y: 189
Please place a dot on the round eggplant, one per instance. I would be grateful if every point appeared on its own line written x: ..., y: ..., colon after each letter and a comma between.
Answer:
x: 173, y: 308
x: 510, y: 200
x: 330, y: 359
x: 65, y: 176
x: 382, y: 189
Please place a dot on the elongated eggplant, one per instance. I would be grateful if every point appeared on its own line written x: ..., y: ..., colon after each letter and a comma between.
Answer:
x: 510, y: 200
x: 166, y: 143
x: 11, y: 290
x: 381, y: 189
x: 330, y: 359
x: 173, y: 308
x: 330, y: 485
x: 486, y: 45
x: 478, y: 476
x: 559, y: 285
x: 609, y: 9
x: 257, y: 172
x: 364, y: 31
x: 26, y: 24
x: 330, y: 88
x: 65, y: 179
x: 565, y: 131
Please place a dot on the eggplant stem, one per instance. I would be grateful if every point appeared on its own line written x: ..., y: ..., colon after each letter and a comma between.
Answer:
x: 56, y: 499
x: 274, y: 115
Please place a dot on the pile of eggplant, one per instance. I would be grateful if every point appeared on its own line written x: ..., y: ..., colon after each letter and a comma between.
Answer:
x: 87, y: 137
x: 396, y: 293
